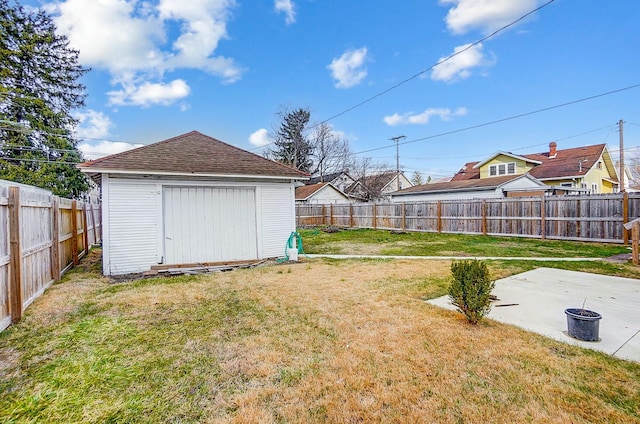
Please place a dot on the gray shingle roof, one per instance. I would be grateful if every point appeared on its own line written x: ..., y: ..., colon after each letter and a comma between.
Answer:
x: 192, y: 153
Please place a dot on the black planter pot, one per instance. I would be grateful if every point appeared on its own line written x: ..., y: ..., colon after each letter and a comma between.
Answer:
x: 583, y: 324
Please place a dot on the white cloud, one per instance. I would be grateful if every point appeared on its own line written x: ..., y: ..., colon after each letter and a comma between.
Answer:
x: 486, y: 15
x: 348, y: 70
x: 147, y: 94
x: 260, y: 138
x: 423, y: 118
x: 129, y: 39
x: 287, y: 7
x: 105, y: 148
x: 92, y: 124
x: 459, y: 66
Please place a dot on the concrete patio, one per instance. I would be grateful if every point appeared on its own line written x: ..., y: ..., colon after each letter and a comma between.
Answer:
x: 535, y: 300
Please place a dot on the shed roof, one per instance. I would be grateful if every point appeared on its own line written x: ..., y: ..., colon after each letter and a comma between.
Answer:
x: 191, y: 153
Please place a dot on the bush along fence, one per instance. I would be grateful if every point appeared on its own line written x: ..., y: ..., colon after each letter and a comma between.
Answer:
x: 596, y: 218
x: 41, y: 237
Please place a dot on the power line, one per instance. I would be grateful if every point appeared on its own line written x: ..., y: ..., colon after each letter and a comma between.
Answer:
x: 416, y: 75
x: 446, y: 59
x: 497, y: 121
x: 57, y: 162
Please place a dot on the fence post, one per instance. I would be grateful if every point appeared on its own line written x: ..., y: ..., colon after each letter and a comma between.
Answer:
x: 404, y: 216
x: 15, y: 252
x: 324, y: 214
x: 543, y: 218
x: 625, y: 217
x: 74, y: 232
x: 484, y: 217
x: 85, y: 232
x: 331, y: 214
x: 578, y: 217
x: 439, y: 216
x: 635, y: 236
x: 93, y: 223
x: 375, y: 218
x: 351, y: 215
x: 55, y: 238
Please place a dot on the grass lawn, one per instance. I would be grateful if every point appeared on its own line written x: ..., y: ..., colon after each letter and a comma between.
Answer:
x: 319, y: 341
x: 383, y: 242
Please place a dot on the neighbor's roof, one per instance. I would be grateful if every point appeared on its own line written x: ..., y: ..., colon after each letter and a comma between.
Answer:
x: 566, y: 163
x: 461, y: 185
x: 468, y: 172
x: 191, y: 154
x: 306, y: 191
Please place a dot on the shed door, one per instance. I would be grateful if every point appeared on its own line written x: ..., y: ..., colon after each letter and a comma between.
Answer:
x: 206, y: 224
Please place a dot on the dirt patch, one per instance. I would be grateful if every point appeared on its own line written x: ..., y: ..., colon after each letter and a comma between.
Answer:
x: 622, y: 258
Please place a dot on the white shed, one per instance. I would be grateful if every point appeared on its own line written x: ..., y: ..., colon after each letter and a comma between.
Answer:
x: 192, y: 199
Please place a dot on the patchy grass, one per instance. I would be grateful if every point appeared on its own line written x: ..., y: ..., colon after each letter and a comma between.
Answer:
x: 383, y: 242
x: 321, y: 341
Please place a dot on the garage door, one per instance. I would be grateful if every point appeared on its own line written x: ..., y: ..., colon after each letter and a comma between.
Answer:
x: 205, y: 224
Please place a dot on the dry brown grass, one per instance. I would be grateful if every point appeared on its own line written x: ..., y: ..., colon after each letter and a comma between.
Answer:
x: 338, y: 342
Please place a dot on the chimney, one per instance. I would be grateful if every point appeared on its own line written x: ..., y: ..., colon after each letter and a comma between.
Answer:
x: 552, y: 149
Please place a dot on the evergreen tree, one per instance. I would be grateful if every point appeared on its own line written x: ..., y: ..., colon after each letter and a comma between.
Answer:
x: 39, y: 88
x: 290, y: 145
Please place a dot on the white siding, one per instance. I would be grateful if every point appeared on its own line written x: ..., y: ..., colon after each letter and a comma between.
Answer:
x: 277, y: 218
x: 209, y: 224
x: 131, y: 212
x: 133, y: 238
x: 326, y: 195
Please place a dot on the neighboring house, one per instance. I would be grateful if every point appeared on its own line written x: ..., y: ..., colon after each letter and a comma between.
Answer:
x: 320, y: 193
x: 504, y: 186
x: 340, y: 180
x: 192, y: 199
x: 379, y: 186
x: 577, y: 170
x: 587, y: 169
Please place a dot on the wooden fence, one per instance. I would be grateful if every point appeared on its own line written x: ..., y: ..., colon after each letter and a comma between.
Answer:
x: 41, y: 237
x: 598, y: 218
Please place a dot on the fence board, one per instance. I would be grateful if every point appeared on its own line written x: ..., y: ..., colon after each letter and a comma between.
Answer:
x: 37, y: 239
x: 583, y: 218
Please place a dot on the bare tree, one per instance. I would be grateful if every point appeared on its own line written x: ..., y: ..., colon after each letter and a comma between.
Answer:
x: 331, y: 153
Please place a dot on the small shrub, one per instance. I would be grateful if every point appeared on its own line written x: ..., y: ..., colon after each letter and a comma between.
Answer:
x: 470, y: 289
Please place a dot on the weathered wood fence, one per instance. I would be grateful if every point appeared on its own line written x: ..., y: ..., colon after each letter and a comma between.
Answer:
x: 598, y: 218
x: 41, y: 237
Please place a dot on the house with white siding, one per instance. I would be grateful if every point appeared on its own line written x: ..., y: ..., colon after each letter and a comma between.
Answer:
x: 320, y: 193
x: 192, y: 199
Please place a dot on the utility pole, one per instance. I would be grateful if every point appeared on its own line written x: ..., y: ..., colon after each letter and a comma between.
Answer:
x: 620, y: 125
x: 397, y: 140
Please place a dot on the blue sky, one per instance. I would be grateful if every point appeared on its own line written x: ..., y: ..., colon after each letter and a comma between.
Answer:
x: 161, y: 68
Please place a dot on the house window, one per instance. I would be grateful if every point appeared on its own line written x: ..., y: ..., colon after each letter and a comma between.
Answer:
x: 502, y: 169
x: 583, y: 185
x: 599, y: 165
x: 594, y: 188
x: 566, y: 185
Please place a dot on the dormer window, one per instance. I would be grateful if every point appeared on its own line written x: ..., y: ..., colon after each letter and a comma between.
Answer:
x: 502, y: 169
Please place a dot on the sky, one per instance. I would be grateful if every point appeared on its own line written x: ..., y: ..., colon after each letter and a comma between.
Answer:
x: 162, y: 68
